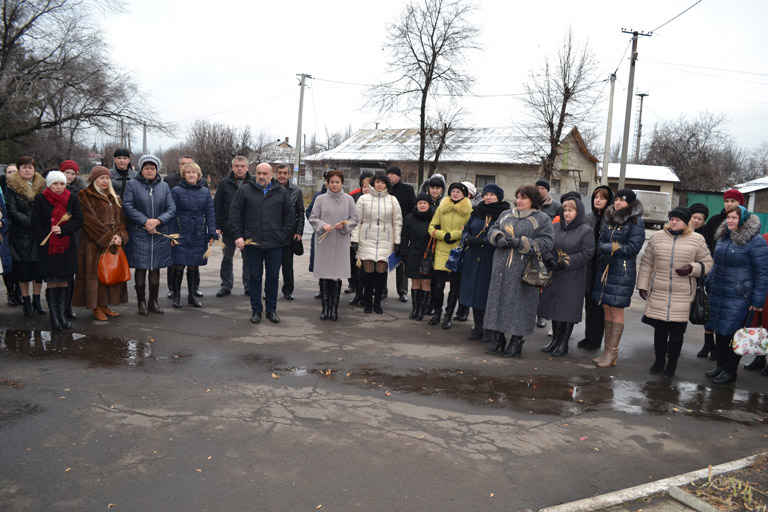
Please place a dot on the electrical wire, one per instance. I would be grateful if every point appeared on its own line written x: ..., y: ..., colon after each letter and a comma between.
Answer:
x: 675, y: 17
x: 709, y: 68
x: 470, y: 95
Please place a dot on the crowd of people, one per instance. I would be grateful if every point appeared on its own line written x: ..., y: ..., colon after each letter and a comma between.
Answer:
x: 514, y: 264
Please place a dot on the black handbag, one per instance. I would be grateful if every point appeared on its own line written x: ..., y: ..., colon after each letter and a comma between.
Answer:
x: 427, y: 262
x: 700, y: 303
x: 297, y: 246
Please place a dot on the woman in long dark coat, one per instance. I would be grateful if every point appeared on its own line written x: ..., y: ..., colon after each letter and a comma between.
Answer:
x: 197, y: 229
x: 621, y: 238
x: 594, y: 318
x: 563, y: 300
x: 58, y: 256
x: 478, y: 255
x: 149, y: 209
x: 413, y: 249
x: 23, y: 187
x: 5, y: 249
x: 103, y: 227
x: 512, y: 304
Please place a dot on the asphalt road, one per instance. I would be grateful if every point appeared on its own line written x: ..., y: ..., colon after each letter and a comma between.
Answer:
x: 200, y: 410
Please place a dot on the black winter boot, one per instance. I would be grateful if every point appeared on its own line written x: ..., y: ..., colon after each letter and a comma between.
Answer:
x: 61, y: 296
x: 414, y: 303
x: 171, y: 274
x: 674, y: 348
x: 500, y: 342
x: 552, y: 343
x: 449, y: 307
x: 176, y: 276
x: 26, y: 304
x: 53, y: 318
x: 335, y: 296
x: 566, y: 329
x: 513, y: 347
x: 367, y: 279
x: 10, y: 288
x: 757, y: 364
x: 193, y: 277
x: 380, y: 286
x: 37, y: 306
x: 68, y: 313
x: 324, y: 298
x: 477, y: 329
x: 462, y: 313
x: 140, y: 281
x: 357, y: 287
x: 198, y: 293
x: 660, y: 342
x: 153, y: 305
x: 709, y: 345
x: 425, y: 300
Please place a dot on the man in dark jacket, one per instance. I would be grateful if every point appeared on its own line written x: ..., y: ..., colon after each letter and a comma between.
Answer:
x: 407, y: 198
x: 222, y: 202
x: 122, y: 171
x: 262, y: 213
x: 297, y: 200
x: 549, y: 205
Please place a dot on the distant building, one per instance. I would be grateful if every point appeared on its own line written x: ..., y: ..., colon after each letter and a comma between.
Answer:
x: 279, y: 151
x: 756, y: 194
x: 654, y: 178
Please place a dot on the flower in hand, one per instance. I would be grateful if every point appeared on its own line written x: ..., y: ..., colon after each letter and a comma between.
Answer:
x: 643, y: 294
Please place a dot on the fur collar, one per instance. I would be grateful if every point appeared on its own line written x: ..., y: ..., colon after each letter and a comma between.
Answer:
x: 629, y: 214
x: 91, y: 192
x: 463, y: 207
x: 21, y: 186
x: 746, y: 232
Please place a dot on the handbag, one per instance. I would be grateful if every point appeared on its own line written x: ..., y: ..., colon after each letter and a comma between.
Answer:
x: 297, y: 247
x: 455, y: 259
x: 113, y: 266
x: 427, y: 262
x: 536, y: 272
x: 750, y: 341
x: 700, y: 303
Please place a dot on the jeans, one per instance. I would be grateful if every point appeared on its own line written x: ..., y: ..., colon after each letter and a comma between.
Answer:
x: 287, y: 267
x: 226, y: 273
x: 257, y: 259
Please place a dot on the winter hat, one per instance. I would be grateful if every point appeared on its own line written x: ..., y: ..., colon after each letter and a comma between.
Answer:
x: 734, y: 194
x: 570, y: 196
x: 494, y: 189
x: 121, y: 152
x: 97, y: 171
x: 437, y: 181
x: 55, y: 177
x: 626, y: 194
x: 682, y: 213
x: 543, y: 183
x: 699, y: 208
x: 69, y: 164
x: 394, y: 170
x: 459, y: 186
x: 470, y: 188
x: 149, y: 159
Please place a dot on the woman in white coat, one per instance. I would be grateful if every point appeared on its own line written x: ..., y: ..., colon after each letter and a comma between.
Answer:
x: 377, y: 237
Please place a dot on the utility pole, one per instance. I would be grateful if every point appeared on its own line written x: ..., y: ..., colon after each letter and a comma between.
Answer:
x: 628, y: 110
x: 639, y: 126
x: 302, y: 83
x: 607, y: 152
x: 144, y: 138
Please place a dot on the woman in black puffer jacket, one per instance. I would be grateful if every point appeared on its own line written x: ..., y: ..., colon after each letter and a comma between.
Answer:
x: 413, y: 248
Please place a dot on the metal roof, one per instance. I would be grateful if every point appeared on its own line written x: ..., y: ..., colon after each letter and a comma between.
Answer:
x: 753, y: 185
x: 643, y: 172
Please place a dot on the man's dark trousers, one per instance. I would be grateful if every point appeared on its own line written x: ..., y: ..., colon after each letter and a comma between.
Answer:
x: 257, y: 259
x: 226, y: 273
x: 287, y: 266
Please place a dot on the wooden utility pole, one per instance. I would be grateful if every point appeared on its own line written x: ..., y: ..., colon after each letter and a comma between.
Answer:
x: 628, y: 110
x: 639, y: 126
x: 297, y: 161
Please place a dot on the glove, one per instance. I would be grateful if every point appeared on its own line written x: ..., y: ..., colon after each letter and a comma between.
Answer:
x: 501, y: 241
x: 514, y: 243
x: 684, y: 271
x: 447, y: 237
x: 643, y: 294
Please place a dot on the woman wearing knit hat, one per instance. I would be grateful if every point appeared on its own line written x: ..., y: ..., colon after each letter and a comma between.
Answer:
x: 668, y: 294
x: 56, y: 212
x: 103, y: 228
x: 149, y: 209
x: 74, y: 185
x: 414, y: 247
x: 731, y: 199
x: 621, y: 238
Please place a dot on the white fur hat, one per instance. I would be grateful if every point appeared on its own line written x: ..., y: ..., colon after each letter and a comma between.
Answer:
x: 55, y: 177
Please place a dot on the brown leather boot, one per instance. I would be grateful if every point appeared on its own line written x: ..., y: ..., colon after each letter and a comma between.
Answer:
x: 613, y: 333
x: 99, y: 315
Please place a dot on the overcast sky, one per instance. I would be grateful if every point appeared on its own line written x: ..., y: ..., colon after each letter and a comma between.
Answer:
x: 235, y: 62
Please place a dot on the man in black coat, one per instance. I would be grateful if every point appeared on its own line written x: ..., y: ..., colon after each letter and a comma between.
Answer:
x: 263, y: 217
x: 222, y: 202
x: 122, y: 171
x: 297, y: 200
x: 407, y: 198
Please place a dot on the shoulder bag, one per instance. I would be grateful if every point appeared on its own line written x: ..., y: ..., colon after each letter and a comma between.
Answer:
x: 113, y: 266
x: 700, y: 303
x: 427, y: 262
x: 536, y: 272
x: 751, y: 341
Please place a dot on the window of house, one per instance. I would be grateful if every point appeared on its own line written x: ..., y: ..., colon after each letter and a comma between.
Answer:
x: 584, y: 188
x: 481, y: 180
x: 555, y: 187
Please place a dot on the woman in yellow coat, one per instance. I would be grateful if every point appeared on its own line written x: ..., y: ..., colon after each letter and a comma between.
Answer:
x: 446, y: 227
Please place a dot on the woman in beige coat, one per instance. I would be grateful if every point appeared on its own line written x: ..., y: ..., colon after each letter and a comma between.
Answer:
x: 673, y: 259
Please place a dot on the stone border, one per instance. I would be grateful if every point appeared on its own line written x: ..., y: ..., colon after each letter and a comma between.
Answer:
x: 641, y: 491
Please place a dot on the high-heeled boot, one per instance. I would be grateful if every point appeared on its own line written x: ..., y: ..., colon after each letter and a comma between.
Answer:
x: 193, y: 278
x: 37, y: 306
x: 153, y: 304
x: 140, y: 282
x: 613, y: 331
x: 53, y: 318
x: 561, y: 349
x: 324, y: 299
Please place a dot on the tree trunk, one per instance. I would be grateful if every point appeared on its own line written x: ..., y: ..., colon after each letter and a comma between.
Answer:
x: 422, y: 133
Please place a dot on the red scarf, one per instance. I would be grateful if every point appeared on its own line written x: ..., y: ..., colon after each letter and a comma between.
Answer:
x: 57, y: 244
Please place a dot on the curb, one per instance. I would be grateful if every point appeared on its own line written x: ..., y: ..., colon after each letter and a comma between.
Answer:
x: 641, y: 491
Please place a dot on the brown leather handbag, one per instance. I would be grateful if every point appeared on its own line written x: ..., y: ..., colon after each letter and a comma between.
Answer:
x: 113, y: 266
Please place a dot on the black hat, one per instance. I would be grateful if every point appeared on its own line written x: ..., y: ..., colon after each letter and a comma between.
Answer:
x: 570, y: 196
x: 436, y: 182
x: 682, y: 213
x: 495, y: 190
x: 699, y: 208
x: 626, y: 194
x: 121, y: 152
x: 543, y: 183
x: 394, y: 170
x: 459, y: 186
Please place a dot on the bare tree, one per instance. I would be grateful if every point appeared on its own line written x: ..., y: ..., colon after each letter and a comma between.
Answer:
x: 438, y: 129
x: 213, y: 145
x: 559, y: 96
x: 428, y: 46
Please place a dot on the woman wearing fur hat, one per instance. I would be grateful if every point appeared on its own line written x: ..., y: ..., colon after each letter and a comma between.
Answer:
x: 738, y: 285
x: 621, y: 238
x: 149, y: 210
x: 672, y: 261
x: 58, y: 256
x: 377, y: 235
x: 23, y: 186
x: 103, y: 227
x: 414, y: 246
x: 446, y: 228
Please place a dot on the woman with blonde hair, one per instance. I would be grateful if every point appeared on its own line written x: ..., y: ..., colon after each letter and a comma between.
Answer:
x: 197, y: 229
x: 103, y: 228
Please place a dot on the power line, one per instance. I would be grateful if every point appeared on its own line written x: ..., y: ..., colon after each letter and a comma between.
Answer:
x: 675, y: 17
x: 710, y: 68
x: 470, y: 95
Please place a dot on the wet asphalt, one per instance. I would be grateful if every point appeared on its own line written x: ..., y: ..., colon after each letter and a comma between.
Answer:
x: 198, y: 409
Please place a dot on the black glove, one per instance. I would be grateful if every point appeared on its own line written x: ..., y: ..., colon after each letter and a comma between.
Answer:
x: 684, y: 271
x: 643, y: 294
x: 513, y: 243
x: 447, y: 237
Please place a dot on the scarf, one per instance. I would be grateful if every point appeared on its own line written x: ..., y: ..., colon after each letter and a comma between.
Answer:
x: 57, y: 244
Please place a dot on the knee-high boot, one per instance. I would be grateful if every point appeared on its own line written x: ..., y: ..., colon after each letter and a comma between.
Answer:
x: 324, y: 299
x: 477, y: 329
x: 175, y: 278
x: 140, y: 281
x: 193, y: 278
x: 613, y: 332
x: 449, y: 307
x: 153, y: 305
x: 334, y: 296
x: 660, y: 342
x: 52, y: 316
x: 380, y: 280
x: 367, y: 279
x: 37, y: 306
x: 415, y: 295
x: 61, y: 296
x: 709, y: 345
x: 566, y: 329
x: 68, y: 313
x: 10, y: 288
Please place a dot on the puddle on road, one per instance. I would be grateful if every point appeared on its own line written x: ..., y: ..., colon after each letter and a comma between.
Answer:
x: 15, y: 409
x: 560, y: 395
x: 97, y: 350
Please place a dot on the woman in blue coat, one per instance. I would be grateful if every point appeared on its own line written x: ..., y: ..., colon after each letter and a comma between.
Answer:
x: 5, y: 250
x: 197, y: 226
x: 478, y: 255
x: 621, y: 237
x: 737, y: 283
x: 149, y: 209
